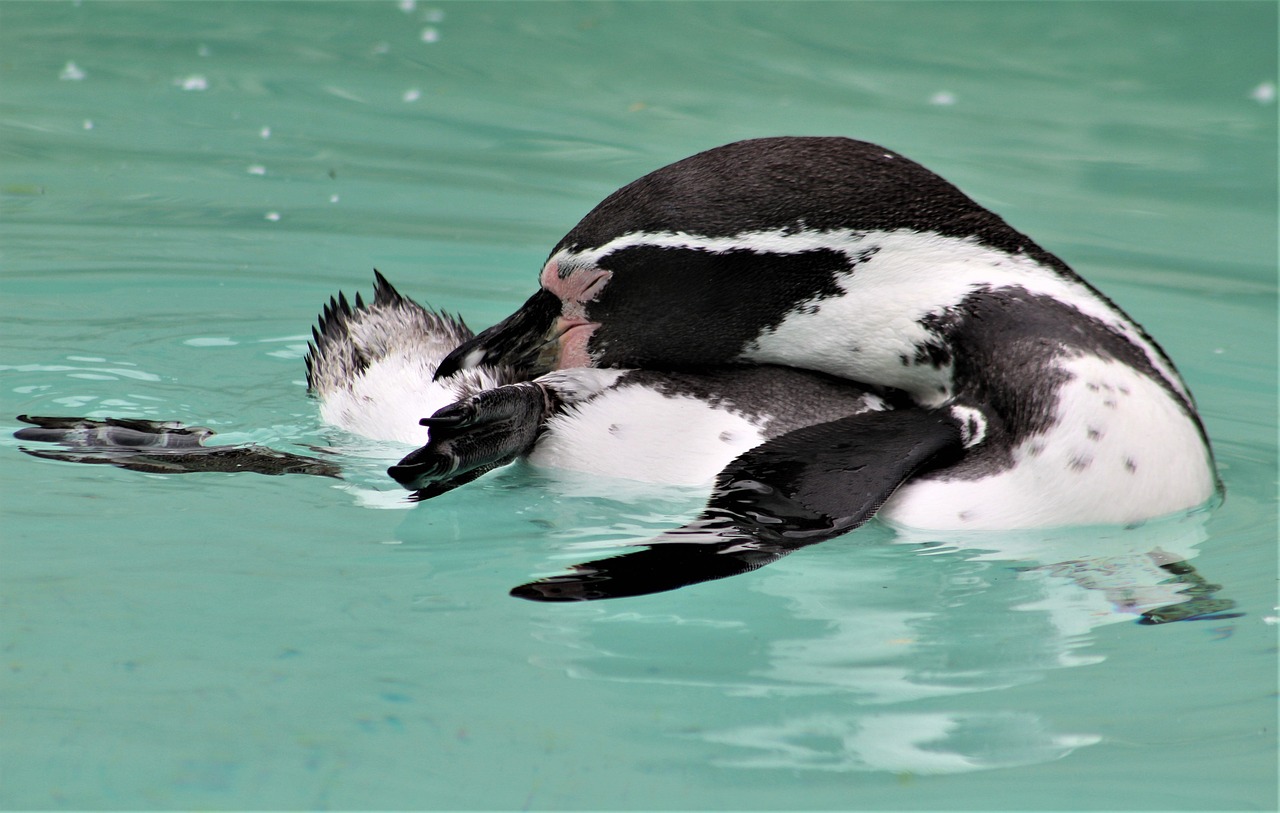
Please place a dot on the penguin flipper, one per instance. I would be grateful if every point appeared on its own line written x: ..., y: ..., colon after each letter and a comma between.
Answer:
x: 157, y: 447
x: 797, y: 489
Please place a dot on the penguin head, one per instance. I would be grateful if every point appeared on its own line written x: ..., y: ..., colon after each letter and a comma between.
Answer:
x: 685, y: 267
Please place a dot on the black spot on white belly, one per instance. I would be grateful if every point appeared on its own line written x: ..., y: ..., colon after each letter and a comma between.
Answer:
x: 1129, y: 465
x: 1093, y: 434
x: 726, y: 436
x: 1080, y: 462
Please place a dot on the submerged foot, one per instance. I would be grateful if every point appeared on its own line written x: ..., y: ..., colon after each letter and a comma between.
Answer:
x: 157, y: 447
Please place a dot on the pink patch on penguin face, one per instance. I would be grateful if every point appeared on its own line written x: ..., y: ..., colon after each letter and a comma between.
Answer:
x: 573, y: 343
x: 574, y: 286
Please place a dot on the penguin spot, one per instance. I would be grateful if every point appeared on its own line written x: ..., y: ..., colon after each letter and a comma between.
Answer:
x: 614, y: 429
x: 965, y: 516
x: 726, y: 436
x: 1035, y: 449
x: 905, y: 359
x: 1123, y: 390
x: 1080, y: 462
x: 1093, y: 434
x: 1109, y: 403
x: 1129, y: 465
x: 1092, y: 387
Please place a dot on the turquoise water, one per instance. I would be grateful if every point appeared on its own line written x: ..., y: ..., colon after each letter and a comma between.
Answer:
x: 182, y: 186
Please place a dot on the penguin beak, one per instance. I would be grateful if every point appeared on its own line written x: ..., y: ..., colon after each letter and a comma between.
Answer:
x: 531, y: 341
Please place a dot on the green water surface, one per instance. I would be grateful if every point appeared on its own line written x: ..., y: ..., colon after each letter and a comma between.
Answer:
x: 183, y: 185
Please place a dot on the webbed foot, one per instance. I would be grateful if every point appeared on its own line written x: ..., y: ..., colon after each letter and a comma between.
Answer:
x: 474, y: 436
x: 157, y: 447
x: 1201, y: 602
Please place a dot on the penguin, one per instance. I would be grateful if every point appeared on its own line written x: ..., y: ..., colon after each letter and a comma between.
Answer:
x: 1026, y: 398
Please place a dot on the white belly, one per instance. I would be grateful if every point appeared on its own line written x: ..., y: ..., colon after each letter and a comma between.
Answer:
x: 1122, y: 452
x: 635, y: 433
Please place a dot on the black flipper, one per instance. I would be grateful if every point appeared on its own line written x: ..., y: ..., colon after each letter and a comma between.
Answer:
x: 798, y: 489
x: 157, y: 447
x: 474, y: 436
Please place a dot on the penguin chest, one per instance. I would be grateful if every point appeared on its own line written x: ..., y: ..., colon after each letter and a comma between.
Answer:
x: 1119, y: 450
x: 638, y: 433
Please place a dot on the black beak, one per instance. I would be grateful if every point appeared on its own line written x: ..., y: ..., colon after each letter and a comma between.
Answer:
x: 524, y: 341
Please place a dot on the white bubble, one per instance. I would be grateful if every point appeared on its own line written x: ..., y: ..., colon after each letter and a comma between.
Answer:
x: 273, y: 216
x: 1264, y: 93
x: 257, y: 169
x: 72, y: 73
x: 193, y: 82
x: 433, y: 15
x: 943, y: 97
x: 407, y: 5
x: 412, y: 95
x: 430, y: 34
x: 211, y: 341
x: 88, y: 124
x: 265, y: 132
x: 333, y: 198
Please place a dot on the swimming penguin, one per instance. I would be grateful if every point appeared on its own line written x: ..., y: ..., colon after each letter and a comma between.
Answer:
x: 1030, y: 399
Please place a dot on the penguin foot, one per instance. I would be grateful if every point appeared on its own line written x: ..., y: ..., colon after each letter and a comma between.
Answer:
x: 157, y: 447
x: 474, y: 436
x: 1201, y: 602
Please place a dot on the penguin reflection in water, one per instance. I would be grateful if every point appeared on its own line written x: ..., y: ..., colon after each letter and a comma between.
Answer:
x: 835, y: 330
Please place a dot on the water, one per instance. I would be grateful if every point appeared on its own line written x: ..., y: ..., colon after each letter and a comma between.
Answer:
x: 183, y: 185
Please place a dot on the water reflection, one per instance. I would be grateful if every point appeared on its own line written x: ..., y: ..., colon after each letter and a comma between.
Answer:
x: 894, y: 652
x: 929, y: 743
